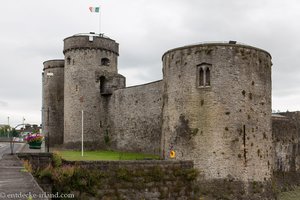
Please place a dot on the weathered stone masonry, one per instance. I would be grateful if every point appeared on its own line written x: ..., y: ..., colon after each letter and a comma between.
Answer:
x: 213, y: 106
x: 286, y: 135
x: 128, y: 180
x: 135, y: 118
x: 217, y: 110
x: 53, y: 100
x: 88, y: 62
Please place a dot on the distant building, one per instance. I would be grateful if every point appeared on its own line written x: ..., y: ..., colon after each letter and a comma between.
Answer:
x: 30, y: 129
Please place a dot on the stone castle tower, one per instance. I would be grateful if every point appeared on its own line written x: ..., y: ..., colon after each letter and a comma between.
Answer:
x: 91, y: 75
x: 83, y: 81
x: 217, y: 110
x: 213, y: 106
x: 53, y: 100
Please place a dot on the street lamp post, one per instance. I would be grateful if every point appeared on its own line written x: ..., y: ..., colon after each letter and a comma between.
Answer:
x: 8, y: 126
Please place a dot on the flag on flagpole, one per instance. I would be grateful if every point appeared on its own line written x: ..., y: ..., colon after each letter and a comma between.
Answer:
x: 94, y: 9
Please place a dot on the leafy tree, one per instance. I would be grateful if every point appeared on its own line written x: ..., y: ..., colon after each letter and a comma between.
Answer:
x: 4, y: 131
x: 13, y: 133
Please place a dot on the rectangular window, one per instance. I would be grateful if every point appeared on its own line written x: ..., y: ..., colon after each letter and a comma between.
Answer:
x: 204, y: 77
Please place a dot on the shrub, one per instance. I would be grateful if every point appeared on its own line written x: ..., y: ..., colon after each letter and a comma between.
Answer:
x: 62, y: 178
x: 123, y: 174
x: 27, y: 166
x: 46, y: 172
x: 56, y: 159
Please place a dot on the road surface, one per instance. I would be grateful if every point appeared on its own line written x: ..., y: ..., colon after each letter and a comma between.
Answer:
x: 5, y: 148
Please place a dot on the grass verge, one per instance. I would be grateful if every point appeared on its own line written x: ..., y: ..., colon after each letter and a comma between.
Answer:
x: 104, y: 155
x: 291, y: 195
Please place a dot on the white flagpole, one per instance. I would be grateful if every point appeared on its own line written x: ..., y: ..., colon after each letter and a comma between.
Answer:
x: 81, y: 133
x: 99, y: 20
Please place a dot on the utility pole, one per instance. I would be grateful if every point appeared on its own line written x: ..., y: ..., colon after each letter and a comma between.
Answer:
x: 8, y: 126
x: 23, y: 122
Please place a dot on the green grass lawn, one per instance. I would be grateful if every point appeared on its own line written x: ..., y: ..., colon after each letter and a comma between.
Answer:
x: 291, y: 195
x: 104, y: 155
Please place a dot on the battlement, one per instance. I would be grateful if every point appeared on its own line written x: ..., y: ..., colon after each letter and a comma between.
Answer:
x: 216, y: 44
x: 90, y: 41
x: 59, y: 63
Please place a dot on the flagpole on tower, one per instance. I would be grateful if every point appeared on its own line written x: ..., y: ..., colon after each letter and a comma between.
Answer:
x: 97, y: 10
x: 99, y: 21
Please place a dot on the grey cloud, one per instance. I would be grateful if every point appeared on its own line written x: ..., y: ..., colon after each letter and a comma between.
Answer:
x: 145, y: 30
x: 3, y: 104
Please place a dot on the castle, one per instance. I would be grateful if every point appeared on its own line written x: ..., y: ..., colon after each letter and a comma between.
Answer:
x: 213, y: 106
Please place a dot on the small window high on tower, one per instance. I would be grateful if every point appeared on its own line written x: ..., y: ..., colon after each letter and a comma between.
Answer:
x: 105, y: 61
x: 203, y: 75
x: 68, y: 60
x: 207, y: 76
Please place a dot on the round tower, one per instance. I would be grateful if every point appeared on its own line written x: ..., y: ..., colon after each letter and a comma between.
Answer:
x: 90, y: 60
x: 217, y: 110
x: 53, y: 101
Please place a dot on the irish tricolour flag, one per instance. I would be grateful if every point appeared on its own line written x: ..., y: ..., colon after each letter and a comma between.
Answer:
x: 94, y: 9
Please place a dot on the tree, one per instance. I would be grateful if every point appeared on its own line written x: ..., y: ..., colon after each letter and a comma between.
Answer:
x: 13, y: 134
x: 4, y: 130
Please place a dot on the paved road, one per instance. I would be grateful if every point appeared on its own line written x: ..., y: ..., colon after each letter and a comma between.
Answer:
x: 15, y: 182
x: 5, y: 148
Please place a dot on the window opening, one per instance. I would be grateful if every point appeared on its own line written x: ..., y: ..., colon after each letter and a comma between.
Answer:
x: 201, y: 77
x: 68, y: 60
x: 102, y: 84
x: 204, y: 75
x: 105, y: 61
x: 207, y: 77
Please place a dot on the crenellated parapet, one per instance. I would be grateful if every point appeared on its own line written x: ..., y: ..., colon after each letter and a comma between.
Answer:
x: 90, y: 41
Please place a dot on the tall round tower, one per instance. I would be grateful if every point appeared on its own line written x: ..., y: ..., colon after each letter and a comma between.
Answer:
x: 90, y: 60
x: 217, y: 110
x: 53, y: 101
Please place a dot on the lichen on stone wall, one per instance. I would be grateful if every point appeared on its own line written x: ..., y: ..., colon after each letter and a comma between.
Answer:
x: 183, y: 130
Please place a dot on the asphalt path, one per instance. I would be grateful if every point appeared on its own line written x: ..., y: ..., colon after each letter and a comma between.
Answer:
x: 5, y: 148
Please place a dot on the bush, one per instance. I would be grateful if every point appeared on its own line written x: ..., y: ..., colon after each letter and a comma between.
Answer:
x: 27, y: 166
x: 46, y: 172
x: 56, y: 159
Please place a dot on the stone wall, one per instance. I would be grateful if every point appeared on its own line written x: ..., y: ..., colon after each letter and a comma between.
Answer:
x: 134, y: 118
x: 128, y: 180
x: 37, y: 160
x: 286, y: 134
x: 53, y: 101
x: 136, y: 180
x: 217, y: 110
x: 143, y: 179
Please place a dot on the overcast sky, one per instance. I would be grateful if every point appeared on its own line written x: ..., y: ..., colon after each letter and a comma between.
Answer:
x: 32, y: 31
